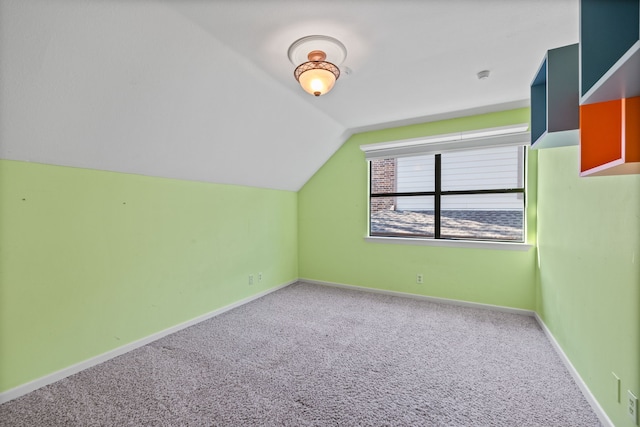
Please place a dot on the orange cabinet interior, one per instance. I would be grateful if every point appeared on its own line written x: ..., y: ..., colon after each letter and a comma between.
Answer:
x: 610, y: 137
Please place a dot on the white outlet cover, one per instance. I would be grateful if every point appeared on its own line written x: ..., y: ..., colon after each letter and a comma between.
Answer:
x: 632, y: 407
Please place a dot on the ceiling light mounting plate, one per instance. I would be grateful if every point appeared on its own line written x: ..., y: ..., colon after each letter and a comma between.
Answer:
x: 334, y: 49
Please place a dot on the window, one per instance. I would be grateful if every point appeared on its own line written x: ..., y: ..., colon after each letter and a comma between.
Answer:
x: 462, y: 189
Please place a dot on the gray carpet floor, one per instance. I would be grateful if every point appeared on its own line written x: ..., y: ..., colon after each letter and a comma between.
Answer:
x: 310, y: 355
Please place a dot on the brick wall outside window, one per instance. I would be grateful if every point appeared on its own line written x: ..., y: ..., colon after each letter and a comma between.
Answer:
x: 383, y: 180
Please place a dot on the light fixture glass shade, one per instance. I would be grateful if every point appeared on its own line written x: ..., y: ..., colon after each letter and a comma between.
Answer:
x: 317, y: 77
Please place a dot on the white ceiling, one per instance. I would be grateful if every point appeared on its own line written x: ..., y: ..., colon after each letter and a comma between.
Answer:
x: 204, y: 90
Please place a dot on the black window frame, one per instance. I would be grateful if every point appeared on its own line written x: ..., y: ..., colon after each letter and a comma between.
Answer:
x: 437, y: 193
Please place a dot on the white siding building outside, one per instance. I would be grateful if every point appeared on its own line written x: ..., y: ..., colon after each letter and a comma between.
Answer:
x: 489, y: 168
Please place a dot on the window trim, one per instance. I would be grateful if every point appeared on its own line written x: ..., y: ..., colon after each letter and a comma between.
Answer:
x: 513, y: 135
x: 438, y: 144
x: 452, y: 243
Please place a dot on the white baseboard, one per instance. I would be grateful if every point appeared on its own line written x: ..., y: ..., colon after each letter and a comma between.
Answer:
x: 602, y: 416
x: 74, y: 369
x: 426, y: 298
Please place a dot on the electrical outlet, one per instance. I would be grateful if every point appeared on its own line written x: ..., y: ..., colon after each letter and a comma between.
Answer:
x: 419, y: 279
x: 632, y: 407
x: 259, y: 277
x: 250, y: 279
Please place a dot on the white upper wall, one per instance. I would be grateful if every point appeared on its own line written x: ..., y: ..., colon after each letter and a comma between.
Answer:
x: 203, y: 90
x: 135, y: 87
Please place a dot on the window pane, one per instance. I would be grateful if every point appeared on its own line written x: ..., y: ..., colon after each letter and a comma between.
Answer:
x: 483, y: 216
x: 415, y: 173
x: 383, y: 176
x: 388, y: 220
x: 483, y: 169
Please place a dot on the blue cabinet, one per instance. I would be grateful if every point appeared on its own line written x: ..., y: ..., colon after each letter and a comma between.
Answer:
x: 609, y: 50
x: 555, y: 112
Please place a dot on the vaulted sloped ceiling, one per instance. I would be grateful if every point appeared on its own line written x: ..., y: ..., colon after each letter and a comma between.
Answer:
x: 203, y: 90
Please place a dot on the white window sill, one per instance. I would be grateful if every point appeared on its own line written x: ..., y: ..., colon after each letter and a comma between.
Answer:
x: 474, y: 244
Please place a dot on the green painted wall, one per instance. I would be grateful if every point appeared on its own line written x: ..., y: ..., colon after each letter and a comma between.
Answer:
x: 332, y: 218
x: 589, y: 275
x: 92, y: 260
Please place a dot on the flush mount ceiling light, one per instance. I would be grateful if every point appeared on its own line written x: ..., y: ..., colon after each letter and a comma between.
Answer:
x: 317, y: 59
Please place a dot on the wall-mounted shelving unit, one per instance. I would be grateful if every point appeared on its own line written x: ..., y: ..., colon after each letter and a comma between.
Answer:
x: 555, y: 99
x: 609, y: 50
x: 610, y: 137
x: 609, y: 87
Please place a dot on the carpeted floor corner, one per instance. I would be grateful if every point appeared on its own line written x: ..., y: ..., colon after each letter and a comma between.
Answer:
x: 310, y: 355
